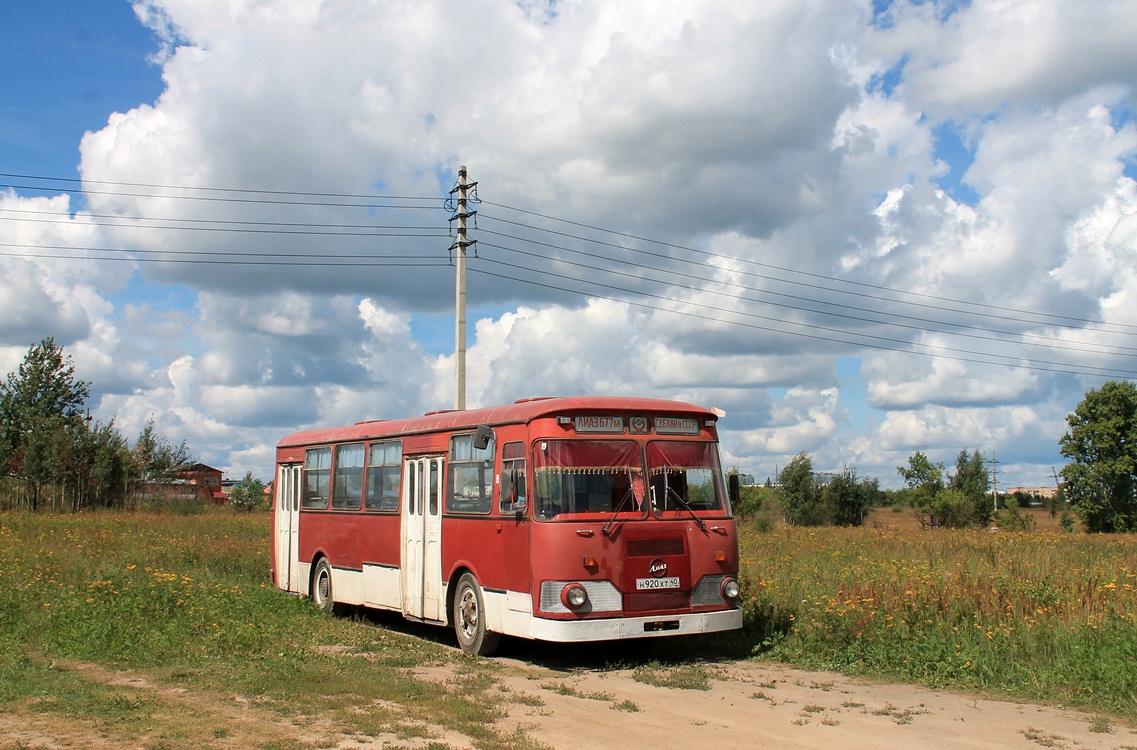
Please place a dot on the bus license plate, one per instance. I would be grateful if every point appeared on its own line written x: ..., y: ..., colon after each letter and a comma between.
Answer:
x: 645, y: 584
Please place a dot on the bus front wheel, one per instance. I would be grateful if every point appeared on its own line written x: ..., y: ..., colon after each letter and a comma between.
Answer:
x: 470, y: 618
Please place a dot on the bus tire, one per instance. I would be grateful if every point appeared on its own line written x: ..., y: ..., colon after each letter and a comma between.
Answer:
x: 322, y: 593
x: 470, y: 618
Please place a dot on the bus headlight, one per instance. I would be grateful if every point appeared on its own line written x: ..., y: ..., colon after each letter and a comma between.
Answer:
x: 574, y: 596
x: 729, y: 589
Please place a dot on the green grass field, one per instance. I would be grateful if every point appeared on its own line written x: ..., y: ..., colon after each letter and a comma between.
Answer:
x: 184, y: 602
x: 1041, y: 616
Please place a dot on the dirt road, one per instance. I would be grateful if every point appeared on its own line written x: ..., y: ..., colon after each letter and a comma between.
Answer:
x: 751, y: 705
x: 724, y: 705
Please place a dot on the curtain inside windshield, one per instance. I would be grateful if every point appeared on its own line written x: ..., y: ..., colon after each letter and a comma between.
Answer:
x: 684, y: 476
x: 586, y: 476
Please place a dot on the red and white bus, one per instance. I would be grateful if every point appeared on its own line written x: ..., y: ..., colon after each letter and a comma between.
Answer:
x: 558, y: 519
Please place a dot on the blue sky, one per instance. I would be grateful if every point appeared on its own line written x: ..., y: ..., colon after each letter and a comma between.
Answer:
x: 77, y: 62
x: 860, y: 228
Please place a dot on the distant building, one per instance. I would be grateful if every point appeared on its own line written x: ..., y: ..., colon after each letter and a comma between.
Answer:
x: 1046, y: 493
x: 200, y: 482
x: 746, y: 480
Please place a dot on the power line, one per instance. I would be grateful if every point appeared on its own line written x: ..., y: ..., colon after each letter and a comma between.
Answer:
x: 1026, y: 365
x: 423, y: 231
x: 81, y: 182
x: 611, y: 265
x: 1049, y: 343
x: 70, y: 221
x: 883, y: 342
x: 317, y: 262
x: 256, y: 201
x: 721, y: 256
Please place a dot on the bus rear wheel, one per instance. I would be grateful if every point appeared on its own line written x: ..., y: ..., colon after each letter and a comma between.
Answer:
x: 470, y: 618
x: 322, y: 593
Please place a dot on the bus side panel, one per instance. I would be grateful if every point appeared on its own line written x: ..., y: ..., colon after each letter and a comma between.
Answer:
x: 352, y: 540
x: 475, y: 543
x: 383, y: 586
x: 378, y: 552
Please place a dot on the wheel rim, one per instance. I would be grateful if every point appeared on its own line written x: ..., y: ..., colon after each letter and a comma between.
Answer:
x: 468, y: 613
x: 323, y: 587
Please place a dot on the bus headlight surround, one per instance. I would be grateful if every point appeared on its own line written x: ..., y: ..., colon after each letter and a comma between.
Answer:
x: 729, y: 589
x: 574, y: 596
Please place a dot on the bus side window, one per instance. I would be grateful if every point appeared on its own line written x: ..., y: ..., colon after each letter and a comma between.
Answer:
x: 470, y: 476
x: 514, y: 492
x: 317, y: 477
x: 347, y: 479
x: 384, y: 475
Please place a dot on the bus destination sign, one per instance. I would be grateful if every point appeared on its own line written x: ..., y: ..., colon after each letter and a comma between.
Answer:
x: 676, y: 426
x: 598, y: 423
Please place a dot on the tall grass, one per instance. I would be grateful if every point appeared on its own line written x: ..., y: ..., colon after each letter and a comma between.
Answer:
x: 1041, y: 616
x: 187, y: 601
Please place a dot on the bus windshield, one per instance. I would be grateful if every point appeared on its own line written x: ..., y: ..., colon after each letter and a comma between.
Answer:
x: 684, y: 476
x: 605, y: 477
x: 587, y: 476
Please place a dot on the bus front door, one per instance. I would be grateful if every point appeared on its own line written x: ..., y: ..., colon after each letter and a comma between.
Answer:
x: 288, y: 528
x: 421, y: 561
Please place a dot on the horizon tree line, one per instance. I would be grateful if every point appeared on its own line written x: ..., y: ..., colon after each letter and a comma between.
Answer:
x: 53, y: 454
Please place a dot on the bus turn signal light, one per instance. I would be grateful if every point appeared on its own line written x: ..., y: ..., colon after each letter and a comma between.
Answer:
x: 720, y: 556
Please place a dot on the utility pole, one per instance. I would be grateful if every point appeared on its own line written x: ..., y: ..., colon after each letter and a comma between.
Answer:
x: 460, y: 244
x: 994, y: 480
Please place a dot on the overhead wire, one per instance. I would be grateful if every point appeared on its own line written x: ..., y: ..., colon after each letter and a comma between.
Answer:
x: 934, y: 349
x: 230, y: 259
x: 1000, y: 310
x: 81, y: 182
x: 611, y: 265
x: 1026, y: 365
x: 115, y: 218
x: 1045, y: 341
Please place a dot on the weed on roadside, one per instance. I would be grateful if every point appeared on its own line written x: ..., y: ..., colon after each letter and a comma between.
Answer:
x: 693, y: 676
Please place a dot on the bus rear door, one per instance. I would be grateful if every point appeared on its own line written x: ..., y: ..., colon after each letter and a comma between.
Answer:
x: 288, y: 527
x: 421, y: 558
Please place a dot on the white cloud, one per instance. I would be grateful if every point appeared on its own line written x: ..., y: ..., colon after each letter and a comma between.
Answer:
x: 992, y: 54
x: 759, y: 131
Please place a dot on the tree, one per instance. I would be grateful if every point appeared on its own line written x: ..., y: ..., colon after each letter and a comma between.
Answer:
x: 848, y: 498
x: 922, y: 475
x: 971, y: 479
x: 248, y: 494
x: 49, y: 443
x: 1102, y: 444
x: 935, y: 504
x: 154, y: 460
x: 800, y: 497
x: 41, y: 412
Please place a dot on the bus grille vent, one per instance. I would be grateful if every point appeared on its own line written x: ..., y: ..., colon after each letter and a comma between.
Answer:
x: 654, y: 547
x: 707, y: 592
x: 602, y: 596
x: 657, y: 600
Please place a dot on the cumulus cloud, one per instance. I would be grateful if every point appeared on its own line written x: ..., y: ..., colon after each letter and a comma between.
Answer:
x: 787, y: 156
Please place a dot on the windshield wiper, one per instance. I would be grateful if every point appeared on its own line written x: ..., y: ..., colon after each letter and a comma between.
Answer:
x: 683, y: 504
x: 620, y: 505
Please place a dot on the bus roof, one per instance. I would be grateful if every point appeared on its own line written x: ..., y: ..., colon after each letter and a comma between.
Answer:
x: 521, y: 411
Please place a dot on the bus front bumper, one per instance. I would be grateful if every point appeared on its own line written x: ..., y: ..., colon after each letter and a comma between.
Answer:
x: 653, y: 626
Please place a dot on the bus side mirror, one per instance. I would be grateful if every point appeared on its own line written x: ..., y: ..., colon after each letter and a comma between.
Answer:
x: 482, y: 436
x: 734, y: 490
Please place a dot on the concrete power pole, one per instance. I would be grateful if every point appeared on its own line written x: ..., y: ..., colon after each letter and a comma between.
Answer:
x: 461, y: 243
x: 994, y: 480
